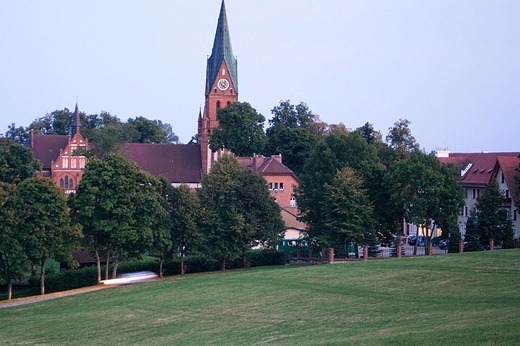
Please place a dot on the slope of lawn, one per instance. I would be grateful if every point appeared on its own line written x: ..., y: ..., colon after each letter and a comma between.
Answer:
x: 459, y: 299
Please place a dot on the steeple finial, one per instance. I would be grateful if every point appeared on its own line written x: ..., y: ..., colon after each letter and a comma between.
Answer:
x: 76, y: 120
x: 222, y: 51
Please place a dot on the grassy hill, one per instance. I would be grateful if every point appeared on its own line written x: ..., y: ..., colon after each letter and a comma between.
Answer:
x: 459, y: 299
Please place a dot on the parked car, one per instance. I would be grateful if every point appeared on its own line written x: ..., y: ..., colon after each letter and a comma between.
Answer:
x: 473, y: 246
x: 436, y: 240
x: 411, y: 239
x: 443, y: 244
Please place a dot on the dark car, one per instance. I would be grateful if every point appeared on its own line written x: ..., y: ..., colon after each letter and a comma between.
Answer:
x: 411, y: 239
x: 443, y: 244
x: 473, y: 246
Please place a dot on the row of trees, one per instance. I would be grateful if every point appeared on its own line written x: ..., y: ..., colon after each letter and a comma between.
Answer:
x: 121, y: 212
x: 108, y: 132
x: 352, y: 182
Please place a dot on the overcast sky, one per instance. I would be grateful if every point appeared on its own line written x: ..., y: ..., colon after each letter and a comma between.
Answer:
x: 450, y: 67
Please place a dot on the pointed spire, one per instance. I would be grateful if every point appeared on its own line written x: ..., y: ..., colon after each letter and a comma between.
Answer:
x: 76, y: 121
x: 222, y: 51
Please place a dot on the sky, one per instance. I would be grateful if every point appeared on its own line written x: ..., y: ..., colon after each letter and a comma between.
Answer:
x: 452, y: 68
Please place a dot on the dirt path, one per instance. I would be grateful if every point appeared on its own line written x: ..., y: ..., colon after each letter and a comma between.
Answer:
x: 35, y: 299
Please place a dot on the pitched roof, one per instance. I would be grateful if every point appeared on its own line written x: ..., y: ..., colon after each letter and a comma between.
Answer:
x: 476, y: 168
x: 178, y: 163
x: 509, y: 164
x: 46, y: 148
x: 222, y: 51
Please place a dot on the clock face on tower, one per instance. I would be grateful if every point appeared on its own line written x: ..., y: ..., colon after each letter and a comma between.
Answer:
x: 223, y: 84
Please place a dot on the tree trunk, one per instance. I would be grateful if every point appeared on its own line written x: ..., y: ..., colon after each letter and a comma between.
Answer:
x: 42, y: 276
x: 223, y: 267
x: 10, y: 289
x: 416, y: 241
x: 107, y: 262
x: 98, y: 263
x: 244, y: 258
x: 182, y: 263
x: 161, y: 261
x: 33, y: 270
x: 116, y: 264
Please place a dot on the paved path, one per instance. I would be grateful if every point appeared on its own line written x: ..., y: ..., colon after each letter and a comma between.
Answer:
x: 35, y: 299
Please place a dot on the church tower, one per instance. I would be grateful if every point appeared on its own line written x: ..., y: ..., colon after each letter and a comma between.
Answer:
x: 221, y: 87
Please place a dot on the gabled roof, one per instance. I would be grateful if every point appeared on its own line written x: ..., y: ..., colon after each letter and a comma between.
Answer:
x: 476, y: 168
x: 222, y: 51
x: 272, y: 166
x: 509, y: 164
x: 46, y: 148
x: 178, y: 163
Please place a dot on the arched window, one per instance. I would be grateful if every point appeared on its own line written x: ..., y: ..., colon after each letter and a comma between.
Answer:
x: 228, y: 104
x: 66, y: 181
x: 71, y: 183
x: 218, y: 105
x: 61, y: 183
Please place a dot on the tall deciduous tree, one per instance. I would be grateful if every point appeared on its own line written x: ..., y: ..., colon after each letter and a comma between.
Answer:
x: 240, y: 130
x: 183, y: 221
x: 400, y: 138
x: 292, y: 132
x: 492, y: 219
x: 239, y: 212
x: 339, y: 149
x: 118, y: 206
x: 13, y: 238
x: 348, y: 211
x: 47, y: 221
x: 427, y: 192
x: 17, y: 163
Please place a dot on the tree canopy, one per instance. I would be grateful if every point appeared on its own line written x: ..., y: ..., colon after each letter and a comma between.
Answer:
x: 240, y: 130
x: 17, y: 163
x: 118, y: 205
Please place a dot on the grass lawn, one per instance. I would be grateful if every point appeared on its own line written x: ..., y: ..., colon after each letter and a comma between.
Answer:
x: 459, y: 299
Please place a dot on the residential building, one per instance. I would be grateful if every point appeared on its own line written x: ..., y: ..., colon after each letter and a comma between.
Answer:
x: 476, y: 171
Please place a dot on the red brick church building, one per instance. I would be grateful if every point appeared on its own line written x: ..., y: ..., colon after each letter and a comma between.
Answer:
x: 178, y: 163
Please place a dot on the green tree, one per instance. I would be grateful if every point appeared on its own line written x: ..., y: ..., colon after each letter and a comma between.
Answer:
x: 339, y: 149
x: 400, y: 138
x: 427, y: 192
x: 47, y: 221
x: 20, y: 134
x: 17, y: 163
x: 184, y: 221
x: 261, y: 213
x: 142, y: 130
x: 493, y: 219
x: 13, y: 238
x: 239, y: 212
x: 293, y: 132
x: 118, y: 205
x: 240, y: 130
x: 347, y: 209
x: 54, y: 123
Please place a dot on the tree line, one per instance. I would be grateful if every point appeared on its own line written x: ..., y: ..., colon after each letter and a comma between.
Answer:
x: 121, y: 212
x: 355, y: 186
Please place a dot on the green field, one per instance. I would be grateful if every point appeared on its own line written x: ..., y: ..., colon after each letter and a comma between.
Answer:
x: 459, y: 299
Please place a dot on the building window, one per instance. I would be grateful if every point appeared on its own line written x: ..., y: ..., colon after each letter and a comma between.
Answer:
x: 507, y: 193
x: 281, y: 186
x: 502, y: 178
x: 515, y: 212
x: 476, y: 193
x: 292, y: 202
x: 62, y: 183
x: 82, y: 162
x: 465, y: 211
x: 276, y: 186
x: 65, y: 163
x: 223, y: 71
x: 270, y: 186
x: 218, y: 105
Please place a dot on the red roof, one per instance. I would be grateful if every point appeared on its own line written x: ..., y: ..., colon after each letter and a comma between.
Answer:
x: 178, y: 163
x: 477, y: 168
x: 46, y: 148
x: 509, y: 164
